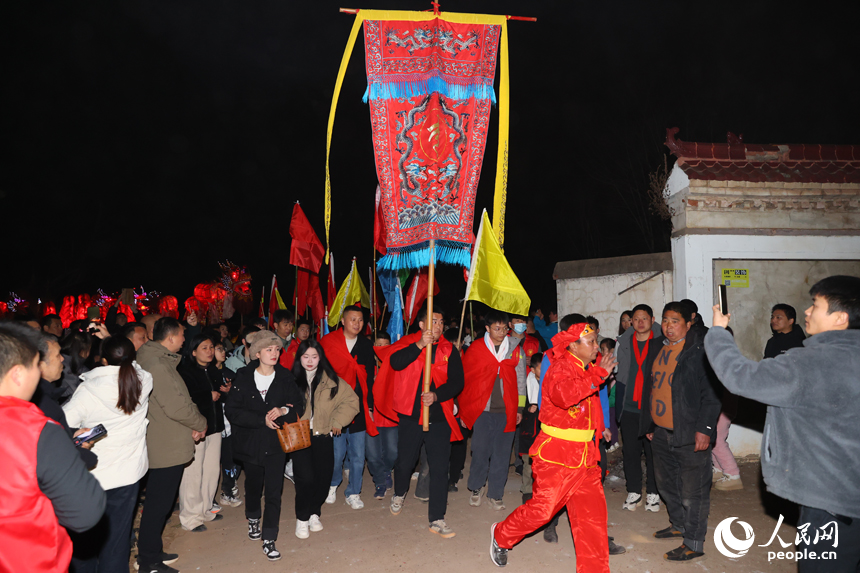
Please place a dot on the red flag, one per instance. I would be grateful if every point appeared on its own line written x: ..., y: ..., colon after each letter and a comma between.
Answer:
x: 262, y: 312
x: 306, y: 250
x: 273, y: 298
x: 416, y: 294
x: 379, y: 225
x: 315, y: 300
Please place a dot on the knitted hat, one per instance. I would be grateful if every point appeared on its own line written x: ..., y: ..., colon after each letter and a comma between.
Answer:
x: 260, y: 340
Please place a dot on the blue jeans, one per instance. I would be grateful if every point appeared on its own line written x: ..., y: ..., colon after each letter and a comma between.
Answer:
x: 353, y: 444
x: 381, y: 454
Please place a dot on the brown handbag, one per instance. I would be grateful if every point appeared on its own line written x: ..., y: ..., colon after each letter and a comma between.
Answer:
x: 295, y: 436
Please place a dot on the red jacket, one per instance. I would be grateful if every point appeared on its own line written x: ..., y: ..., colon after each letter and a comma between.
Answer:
x: 531, y: 346
x: 395, y: 392
x: 570, y: 402
x: 288, y: 356
x: 347, y: 367
x: 481, y: 368
x: 31, y: 537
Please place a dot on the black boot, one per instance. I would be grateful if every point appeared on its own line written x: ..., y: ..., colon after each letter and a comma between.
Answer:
x: 615, y: 549
x: 549, y: 534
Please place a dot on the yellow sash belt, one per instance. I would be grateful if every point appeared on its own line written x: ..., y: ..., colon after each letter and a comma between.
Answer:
x: 570, y: 435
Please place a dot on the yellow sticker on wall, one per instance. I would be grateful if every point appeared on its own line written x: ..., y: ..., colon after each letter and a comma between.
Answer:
x: 737, y: 278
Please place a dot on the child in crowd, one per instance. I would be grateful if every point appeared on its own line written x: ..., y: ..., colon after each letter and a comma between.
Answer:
x: 607, y: 345
x: 530, y: 426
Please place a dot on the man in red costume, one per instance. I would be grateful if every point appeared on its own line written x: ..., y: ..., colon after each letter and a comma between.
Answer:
x: 490, y: 405
x: 352, y: 357
x: 565, y: 454
x: 400, y: 395
x: 45, y: 485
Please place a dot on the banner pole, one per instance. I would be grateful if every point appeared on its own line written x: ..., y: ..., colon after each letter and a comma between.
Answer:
x: 472, y: 320
x: 462, y: 317
x: 428, y: 323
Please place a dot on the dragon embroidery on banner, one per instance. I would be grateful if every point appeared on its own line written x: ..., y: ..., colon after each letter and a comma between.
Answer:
x: 422, y: 38
x: 430, y: 139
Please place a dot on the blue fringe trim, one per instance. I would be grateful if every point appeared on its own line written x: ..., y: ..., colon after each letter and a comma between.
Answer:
x: 418, y: 256
x: 417, y: 85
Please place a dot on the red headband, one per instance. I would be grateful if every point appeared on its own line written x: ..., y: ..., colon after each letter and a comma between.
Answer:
x: 572, y: 334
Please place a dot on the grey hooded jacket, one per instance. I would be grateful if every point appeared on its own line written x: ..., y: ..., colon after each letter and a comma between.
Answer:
x: 811, y: 447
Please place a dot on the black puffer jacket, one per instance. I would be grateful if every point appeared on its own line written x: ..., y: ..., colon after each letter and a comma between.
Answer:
x: 695, y: 391
x: 198, y: 380
x: 246, y: 410
x: 781, y: 343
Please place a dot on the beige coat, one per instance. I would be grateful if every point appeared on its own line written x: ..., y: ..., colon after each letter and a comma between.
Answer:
x: 331, y: 414
x: 172, y: 415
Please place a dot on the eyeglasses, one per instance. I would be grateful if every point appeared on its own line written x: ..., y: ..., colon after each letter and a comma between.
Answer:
x: 499, y: 328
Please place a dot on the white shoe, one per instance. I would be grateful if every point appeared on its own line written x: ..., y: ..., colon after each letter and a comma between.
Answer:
x: 332, y: 494
x: 652, y: 502
x: 613, y: 447
x: 354, y: 501
x: 633, y: 501
x: 314, y: 523
x: 302, y: 529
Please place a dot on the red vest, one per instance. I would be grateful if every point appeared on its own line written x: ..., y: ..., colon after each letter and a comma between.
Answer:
x: 288, y: 354
x: 31, y: 538
x: 481, y: 368
x: 531, y: 346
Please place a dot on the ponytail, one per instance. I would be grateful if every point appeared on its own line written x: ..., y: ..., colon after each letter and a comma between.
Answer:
x: 119, y: 351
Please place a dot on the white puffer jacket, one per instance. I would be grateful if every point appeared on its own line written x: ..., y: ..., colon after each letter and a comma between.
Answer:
x: 122, y: 452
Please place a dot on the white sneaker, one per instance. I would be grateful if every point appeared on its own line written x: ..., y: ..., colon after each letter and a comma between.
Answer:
x: 302, y: 529
x: 354, y: 501
x: 314, y: 523
x: 633, y: 501
x: 613, y: 447
x: 397, y: 504
x: 652, y: 502
x: 332, y: 494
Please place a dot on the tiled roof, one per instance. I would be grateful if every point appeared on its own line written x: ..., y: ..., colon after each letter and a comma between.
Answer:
x: 739, y: 161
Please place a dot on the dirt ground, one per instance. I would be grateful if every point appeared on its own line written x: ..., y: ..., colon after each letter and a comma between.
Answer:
x: 371, y: 539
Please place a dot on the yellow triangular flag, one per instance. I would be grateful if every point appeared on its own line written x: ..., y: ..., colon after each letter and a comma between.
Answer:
x: 351, y: 291
x: 491, y: 279
x: 281, y: 304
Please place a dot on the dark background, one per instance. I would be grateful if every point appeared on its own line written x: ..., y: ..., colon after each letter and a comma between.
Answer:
x: 143, y: 142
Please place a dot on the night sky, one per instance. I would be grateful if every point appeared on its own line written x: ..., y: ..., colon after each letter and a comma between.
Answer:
x: 143, y: 142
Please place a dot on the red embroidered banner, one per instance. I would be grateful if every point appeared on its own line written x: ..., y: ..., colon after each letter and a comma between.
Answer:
x: 430, y: 88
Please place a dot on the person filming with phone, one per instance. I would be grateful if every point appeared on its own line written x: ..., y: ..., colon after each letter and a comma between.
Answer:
x: 810, y: 447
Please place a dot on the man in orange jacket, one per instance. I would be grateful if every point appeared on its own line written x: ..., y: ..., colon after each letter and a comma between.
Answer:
x: 565, y: 454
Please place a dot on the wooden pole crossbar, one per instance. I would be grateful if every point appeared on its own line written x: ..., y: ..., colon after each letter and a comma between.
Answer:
x: 436, y: 11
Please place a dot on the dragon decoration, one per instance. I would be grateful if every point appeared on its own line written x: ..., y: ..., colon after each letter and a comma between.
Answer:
x: 214, y: 302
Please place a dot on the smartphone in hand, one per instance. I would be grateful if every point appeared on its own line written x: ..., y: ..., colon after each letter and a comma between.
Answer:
x: 724, y: 300
x: 94, y: 434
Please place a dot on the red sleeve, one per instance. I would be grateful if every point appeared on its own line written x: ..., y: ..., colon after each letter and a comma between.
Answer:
x: 568, y: 385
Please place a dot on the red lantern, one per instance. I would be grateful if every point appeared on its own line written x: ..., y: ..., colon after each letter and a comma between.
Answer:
x: 50, y: 308
x: 192, y: 305
x: 67, y: 311
x: 168, y: 306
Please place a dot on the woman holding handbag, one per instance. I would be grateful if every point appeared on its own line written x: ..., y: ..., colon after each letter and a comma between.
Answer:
x: 263, y: 397
x: 329, y: 404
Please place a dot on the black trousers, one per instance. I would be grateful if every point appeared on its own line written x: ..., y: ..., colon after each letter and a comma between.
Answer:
x: 684, y: 482
x: 459, y: 449
x: 437, y: 442
x: 312, y: 469
x: 230, y: 470
x: 631, y: 450
x: 822, y: 522
x: 268, y: 477
x: 162, y: 485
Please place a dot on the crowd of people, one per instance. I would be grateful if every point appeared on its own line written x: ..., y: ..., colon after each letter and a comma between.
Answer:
x: 109, y: 415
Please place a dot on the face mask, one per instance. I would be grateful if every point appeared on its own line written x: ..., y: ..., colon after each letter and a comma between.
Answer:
x: 520, y: 327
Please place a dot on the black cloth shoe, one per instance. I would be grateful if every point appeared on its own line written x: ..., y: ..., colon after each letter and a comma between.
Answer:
x: 668, y: 533
x: 498, y: 555
x: 683, y: 553
x: 616, y: 549
x: 526, y: 497
x: 549, y: 534
x: 452, y: 487
x: 218, y: 517
x: 199, y: 529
